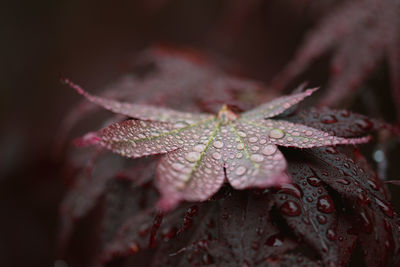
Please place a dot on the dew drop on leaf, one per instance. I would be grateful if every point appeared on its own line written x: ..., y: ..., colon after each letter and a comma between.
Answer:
x: 276, y: 133
x: 325, y: 204
x: 364, y: 124
x: 177, y: 166
x: 274, y: 241
x: 253, y: 139
x: 328, y: 119
x: 367, y: 225
x: 218, y: 144
x: 269, y: 150
x: 331, y: 150
x: 192, y: 156
x: 291, y: 208
x: 291, y: 189
x: 199, y: 148
x: 385, y: 208
x: 133, y: 248
x: 180, y: 124
x: 343, y: 181
x: 373, y: 185
x: 314, y: 181
x: 322, y: 219
x: 331, y: 234
x: 240, y: 170
x: 216, y: 155
x: 257, y: 158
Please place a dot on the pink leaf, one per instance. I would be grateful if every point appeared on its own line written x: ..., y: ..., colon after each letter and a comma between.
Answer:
x: 139, y: 111
x: 277, y: 106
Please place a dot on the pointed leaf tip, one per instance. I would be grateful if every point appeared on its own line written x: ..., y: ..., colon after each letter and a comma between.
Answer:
x: 279, y: 105
x: 75, y: 87
x: 139, y: 111
x: 310, y: 91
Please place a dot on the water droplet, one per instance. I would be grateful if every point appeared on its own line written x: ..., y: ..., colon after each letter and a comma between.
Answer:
x: 269, y: 150
x: 309, y: 199
x: 373, y: 185
x: 291, y: 189
x: 291, y: 208
x: 218, y: 144
x: 328, y: 119
x: 193, y: 156
x: 314, y: 181
x: 133, y: 248
x: 309, y: 133
x: 255, y: 148
x: 276, y: 133
x: 331, y: 150
x: 387, y: 244
x: 364, y: 124
x: 181, y: 124
x: 345, y: 113
x: 257, y: 158
x: 367, y: 225
x: 177, y: 166
x: 240, y: 146
x: 216, y: 155
x: 343, y: 181
x: 253, y: 139
x: 363, y: 199
x: 274, y: 241
x: 331, y: 234
x: 325, y: 204
x: 385, y: 208
x: 322, y: 219
x: 241, y: 134
x: 199, y: 148
x: 240, y: 170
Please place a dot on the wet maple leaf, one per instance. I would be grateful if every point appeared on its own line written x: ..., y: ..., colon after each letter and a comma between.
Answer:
x: 204, y: 149
x: 361, y: 33
x: 160, y: 75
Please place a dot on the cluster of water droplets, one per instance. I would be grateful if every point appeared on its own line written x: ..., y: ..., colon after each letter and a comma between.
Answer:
x: 249, y: 156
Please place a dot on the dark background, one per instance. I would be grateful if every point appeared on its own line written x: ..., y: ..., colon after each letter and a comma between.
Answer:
x: 91, y: 42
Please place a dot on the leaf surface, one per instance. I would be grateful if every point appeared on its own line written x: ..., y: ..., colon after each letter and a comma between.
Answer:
x: 200, y: 149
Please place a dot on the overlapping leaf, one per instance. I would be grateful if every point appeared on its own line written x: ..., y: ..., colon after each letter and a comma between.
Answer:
x: 200, y: 146
x: 197, y: 234
x: 309, y: 211
x: 361, y: 33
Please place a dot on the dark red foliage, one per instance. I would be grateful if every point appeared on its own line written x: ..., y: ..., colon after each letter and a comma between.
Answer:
x: 360, y: 33
x: 335, y: 202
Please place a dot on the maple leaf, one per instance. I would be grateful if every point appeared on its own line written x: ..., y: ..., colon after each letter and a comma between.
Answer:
x: 169, y: 72
x: 201, y: 146
x: 360, y: 33
x: 203, y: 233
x: 248, y: 227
